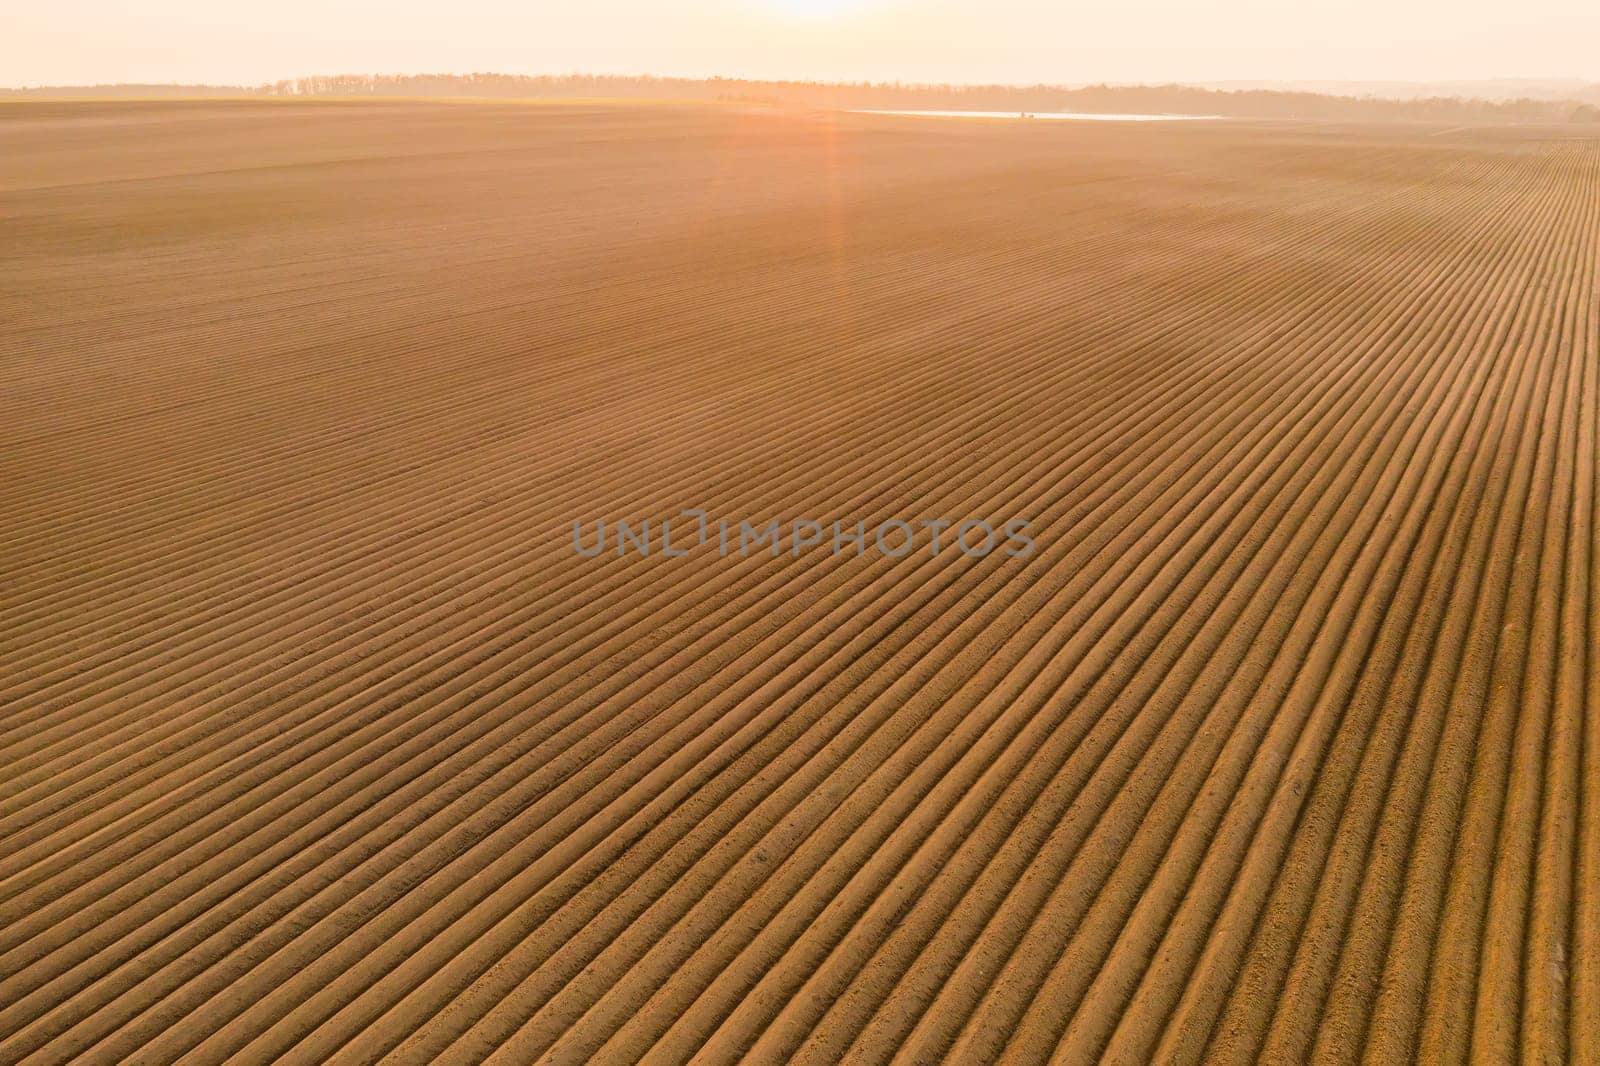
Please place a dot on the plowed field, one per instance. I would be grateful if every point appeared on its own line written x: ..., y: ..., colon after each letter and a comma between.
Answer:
x: 321, y: 738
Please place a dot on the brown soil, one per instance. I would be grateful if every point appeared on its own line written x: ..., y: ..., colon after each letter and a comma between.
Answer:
x: 321, y: 741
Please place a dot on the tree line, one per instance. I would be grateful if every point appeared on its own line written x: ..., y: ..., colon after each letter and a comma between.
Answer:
x: 1146, y: 99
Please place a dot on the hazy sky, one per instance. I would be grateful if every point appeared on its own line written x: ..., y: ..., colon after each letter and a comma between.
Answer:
x: 85, y: 41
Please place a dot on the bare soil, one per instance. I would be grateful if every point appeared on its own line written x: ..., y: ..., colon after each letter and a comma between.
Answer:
x: 321, y: 741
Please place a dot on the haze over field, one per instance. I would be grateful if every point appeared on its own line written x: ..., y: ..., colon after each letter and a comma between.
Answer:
x: 954, y: 41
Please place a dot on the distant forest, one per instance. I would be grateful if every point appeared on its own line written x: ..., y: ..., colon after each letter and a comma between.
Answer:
x: 1156, y: 99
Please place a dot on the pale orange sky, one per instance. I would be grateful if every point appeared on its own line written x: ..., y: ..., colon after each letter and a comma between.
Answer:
x: 87, y: 41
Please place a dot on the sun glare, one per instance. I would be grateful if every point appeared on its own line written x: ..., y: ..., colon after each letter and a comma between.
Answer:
x: 815, y: 9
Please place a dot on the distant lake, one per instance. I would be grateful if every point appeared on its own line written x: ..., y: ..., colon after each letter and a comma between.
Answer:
x: 1077, y: 116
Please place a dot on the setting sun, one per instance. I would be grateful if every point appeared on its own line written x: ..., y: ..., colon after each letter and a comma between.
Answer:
x: 816, y: 9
